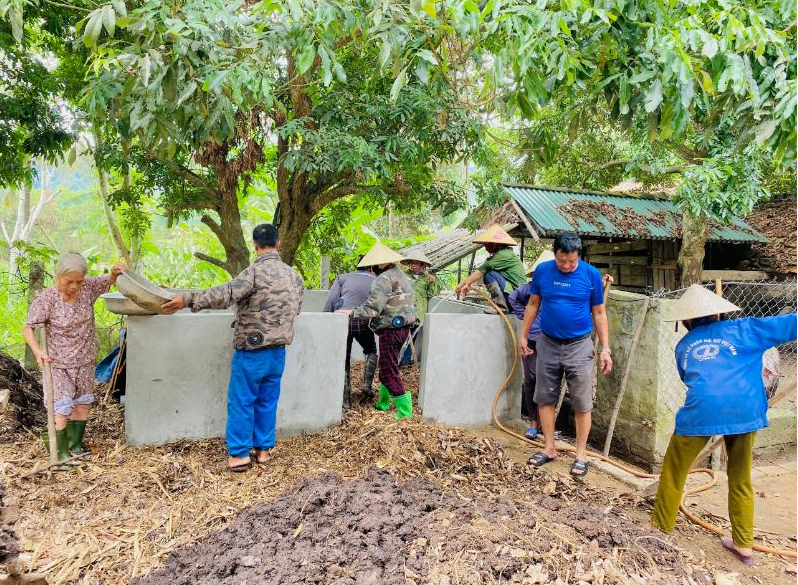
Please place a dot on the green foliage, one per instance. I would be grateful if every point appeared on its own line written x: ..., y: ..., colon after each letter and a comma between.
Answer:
x: 31, y: 123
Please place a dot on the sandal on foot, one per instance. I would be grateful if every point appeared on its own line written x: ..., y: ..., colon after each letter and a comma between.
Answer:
x: 531, y: 433
x: 579, y: 469
x: 539, y: 459
x: 268, y: 454
x: 728, y: 544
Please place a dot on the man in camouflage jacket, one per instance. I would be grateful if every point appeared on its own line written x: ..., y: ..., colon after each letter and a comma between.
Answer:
x: 268, y: 297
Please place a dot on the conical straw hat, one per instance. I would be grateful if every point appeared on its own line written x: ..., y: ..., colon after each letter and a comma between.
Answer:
x: 380, y: 254
x: 545, y: 256
x: 418, y: 256
x: 697, y: 302
x: 495, y: 235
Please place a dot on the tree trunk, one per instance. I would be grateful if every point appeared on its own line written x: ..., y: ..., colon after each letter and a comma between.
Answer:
x: 235, y: 245
x: 35, y: 286
x: 295, y: 221
x: 695, y: 231
x: 116, y: 235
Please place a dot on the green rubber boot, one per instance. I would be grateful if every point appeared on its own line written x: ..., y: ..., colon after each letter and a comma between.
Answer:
x: 75, y: 431
x: 404, y: 406
x: 384, y: 402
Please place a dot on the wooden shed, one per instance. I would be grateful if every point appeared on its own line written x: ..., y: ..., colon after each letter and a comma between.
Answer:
x: 635, y: 239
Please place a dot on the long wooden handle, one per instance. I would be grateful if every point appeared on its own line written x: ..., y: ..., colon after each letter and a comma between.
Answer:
x: 47, y: 380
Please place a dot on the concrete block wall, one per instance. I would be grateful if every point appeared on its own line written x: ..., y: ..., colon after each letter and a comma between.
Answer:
x: 653, y: 392
x: 466, y: 357
x: 178, y: 368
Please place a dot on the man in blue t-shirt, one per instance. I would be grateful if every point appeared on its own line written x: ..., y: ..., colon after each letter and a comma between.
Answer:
x: 568, y: 295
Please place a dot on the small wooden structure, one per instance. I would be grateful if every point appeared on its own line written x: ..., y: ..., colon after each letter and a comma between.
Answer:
x: 635, y: 239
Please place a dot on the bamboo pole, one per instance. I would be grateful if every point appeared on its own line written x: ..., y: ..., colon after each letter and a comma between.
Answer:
x: 619, y: 399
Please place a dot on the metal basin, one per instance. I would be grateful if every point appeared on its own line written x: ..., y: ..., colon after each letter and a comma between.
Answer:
x: 141, y: 291
x: 119, y: 304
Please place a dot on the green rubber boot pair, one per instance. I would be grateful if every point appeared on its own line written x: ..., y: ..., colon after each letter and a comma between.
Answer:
x: 404, y: 406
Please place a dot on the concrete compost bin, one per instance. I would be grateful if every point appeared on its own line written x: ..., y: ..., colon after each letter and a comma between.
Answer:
x: 466, y: 355
x: 178, y: 368
x: 654, y: 391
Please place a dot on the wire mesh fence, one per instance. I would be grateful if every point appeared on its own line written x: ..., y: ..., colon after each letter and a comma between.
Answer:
x: 762, y: 298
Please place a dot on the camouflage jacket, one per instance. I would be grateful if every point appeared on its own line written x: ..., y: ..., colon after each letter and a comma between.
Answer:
x: 391, y: 296
x: 269, y: 296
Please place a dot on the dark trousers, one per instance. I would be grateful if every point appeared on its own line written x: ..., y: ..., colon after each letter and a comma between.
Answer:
x: 359, y: 331
x: 529, y: 407
x: 391, y: 341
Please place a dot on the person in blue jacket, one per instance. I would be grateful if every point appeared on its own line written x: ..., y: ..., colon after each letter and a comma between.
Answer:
x: 720, y: 362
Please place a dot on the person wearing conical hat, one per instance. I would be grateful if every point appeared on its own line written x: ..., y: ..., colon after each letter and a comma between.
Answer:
x: 425, y: 283
x: 720, y: 362
x: 350, y: 290
x: 391, y: 307
x: 502, y: 272
x: 425, y: 286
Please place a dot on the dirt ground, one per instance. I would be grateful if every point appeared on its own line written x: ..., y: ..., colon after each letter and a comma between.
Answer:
x: 371, y: 501
x: 775, y: 513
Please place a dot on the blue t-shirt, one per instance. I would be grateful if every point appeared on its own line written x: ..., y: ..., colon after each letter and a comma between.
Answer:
x: 721, y: 365
x: 566, y: 299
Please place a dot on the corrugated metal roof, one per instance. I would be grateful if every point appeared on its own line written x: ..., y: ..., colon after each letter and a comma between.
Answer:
x: 551, y: 209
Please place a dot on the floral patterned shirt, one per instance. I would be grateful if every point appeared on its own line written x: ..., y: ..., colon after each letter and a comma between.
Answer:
x: 71, y: 341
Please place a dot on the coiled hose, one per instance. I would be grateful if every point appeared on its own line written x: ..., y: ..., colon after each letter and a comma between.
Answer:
x: 713, y: 480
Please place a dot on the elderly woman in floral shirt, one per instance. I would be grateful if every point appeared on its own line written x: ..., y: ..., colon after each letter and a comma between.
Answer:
x: 67, y: 311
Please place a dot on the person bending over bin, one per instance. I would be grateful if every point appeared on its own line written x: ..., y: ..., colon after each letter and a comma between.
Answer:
x: 66, y: 310
x: 268, y: 295
x: 392, y: 310
x: 568, y: 294
x: 425, y: 286
x: 720, y: 362
x: 502, y: 272
x: 518, y: 301
x: 347, y: 292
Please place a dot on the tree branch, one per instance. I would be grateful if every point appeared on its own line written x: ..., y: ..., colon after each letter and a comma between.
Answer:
x: 192, y: 178
x: 216, y: 229
x: 212, y: 260
x: 643, y: 167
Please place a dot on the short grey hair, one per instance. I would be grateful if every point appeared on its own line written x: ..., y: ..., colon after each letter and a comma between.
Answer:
x: 71, y: 262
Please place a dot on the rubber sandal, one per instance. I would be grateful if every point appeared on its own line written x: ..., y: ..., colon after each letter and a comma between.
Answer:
x: 728, y: 544
x: 579, y: 466
x: 531, y: 433
x: 239, y: 468
x: 539, y: 459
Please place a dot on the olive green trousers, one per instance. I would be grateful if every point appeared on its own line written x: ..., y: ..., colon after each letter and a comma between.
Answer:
x: 679, y: 458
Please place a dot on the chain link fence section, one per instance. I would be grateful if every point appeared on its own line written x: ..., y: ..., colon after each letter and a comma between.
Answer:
x: 762, y: 298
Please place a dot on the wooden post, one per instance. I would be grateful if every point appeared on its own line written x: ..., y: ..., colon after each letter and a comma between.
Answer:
x: 47, y: 383
x: 324, y: 280
x: 619, y: 400
x: 459, y: 270
x: 523, y: 240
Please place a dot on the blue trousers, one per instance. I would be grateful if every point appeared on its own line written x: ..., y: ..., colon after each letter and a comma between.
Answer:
x: 252, y: 399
